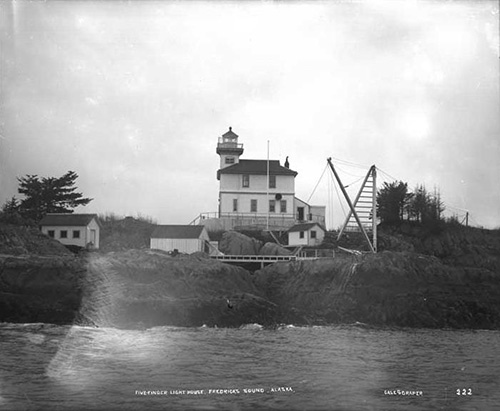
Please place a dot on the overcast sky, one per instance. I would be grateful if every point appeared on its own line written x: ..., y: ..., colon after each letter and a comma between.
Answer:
x: 132, y: 95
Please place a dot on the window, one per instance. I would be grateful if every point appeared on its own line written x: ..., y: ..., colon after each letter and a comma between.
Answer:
x: 76, y: 233
x: 283, y: 206
x: 51, y: 233
x: 246, y: 180
x: 63, y: 234
x: 301, y: 234
x: 235, y: 204
x: 272, y: 206
x: 313, y: 234
x: 272, y: 181
x: 300, y: 213
x: 229, y: 160
x: 253, y: 206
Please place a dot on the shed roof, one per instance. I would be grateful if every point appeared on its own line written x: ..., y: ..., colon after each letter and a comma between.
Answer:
x: 177, y: 231
x: 257, y: 167
x: 304, y: 227
x: 68, y: 219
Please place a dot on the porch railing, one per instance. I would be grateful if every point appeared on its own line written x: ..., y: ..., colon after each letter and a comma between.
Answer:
x: 257, y: 219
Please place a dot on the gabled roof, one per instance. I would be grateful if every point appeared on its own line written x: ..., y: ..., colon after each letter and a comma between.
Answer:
x: 302, y: 201
x: 304, y: 227
x: 69, y: 219
x: 257, y: 167
x: 177, y: 231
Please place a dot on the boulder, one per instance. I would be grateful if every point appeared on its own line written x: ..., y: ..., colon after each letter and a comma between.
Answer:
x: 235, y: 243
x: 273, y: 249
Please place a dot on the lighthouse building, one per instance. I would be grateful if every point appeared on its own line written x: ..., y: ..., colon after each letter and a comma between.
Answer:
x: 256, y: 194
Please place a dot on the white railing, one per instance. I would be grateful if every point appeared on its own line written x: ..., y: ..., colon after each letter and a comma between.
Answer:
x: 228, y: 144
x: 254, y: 258
x: 244, y: 219
x: 262, y: 258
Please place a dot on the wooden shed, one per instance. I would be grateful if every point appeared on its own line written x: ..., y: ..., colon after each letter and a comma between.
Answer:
x: 310, y: 234
x: 183, y: 238
x: 82, y: 230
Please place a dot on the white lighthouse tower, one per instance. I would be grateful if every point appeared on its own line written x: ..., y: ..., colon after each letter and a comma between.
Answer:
x: 228, y: 149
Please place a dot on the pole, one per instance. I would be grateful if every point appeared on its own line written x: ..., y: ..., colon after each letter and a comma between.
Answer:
x: 267, y: 185
x: 350, y: 204
x: 467, y: 219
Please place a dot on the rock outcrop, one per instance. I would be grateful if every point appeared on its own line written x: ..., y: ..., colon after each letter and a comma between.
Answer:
x: 273, y: 249
x: 40, y: 289
x: 388, y: 288
x: 130, y: 289
x: 144, y: 288
x: 459, y: 287
x: 454, y: 245
x: 235, y: 243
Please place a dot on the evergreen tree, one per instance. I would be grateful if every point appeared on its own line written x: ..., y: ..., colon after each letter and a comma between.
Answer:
x: 419, y: 207
x: 49, y: 195
x: 11, y: 206
x: 426, y: 207
x: 437, y: 205
x: 392, y: 200
x: 10, y: 213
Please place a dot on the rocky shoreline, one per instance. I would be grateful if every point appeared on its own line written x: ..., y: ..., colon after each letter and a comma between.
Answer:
x: 145, y: 288
x: 386, y: 289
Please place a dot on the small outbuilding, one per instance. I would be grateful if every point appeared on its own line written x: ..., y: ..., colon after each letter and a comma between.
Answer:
x: 183, y: 238
x: 309, y: 234
x: 82, y: 230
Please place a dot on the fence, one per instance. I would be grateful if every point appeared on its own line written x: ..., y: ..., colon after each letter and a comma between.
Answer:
x: 229, y: 221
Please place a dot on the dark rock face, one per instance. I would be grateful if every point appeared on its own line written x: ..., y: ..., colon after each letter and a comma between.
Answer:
x: 150, y: 288
x: 131, y: 289
x: 40, y: 289
x: 389, y: 288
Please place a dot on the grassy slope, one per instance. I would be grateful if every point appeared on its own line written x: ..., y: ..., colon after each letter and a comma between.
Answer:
x: 16, y: 240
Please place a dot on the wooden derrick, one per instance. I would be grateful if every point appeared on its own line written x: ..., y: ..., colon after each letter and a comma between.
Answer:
x: 362, y: 216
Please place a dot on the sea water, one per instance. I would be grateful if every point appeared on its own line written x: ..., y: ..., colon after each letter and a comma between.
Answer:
x: 353, y: 367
